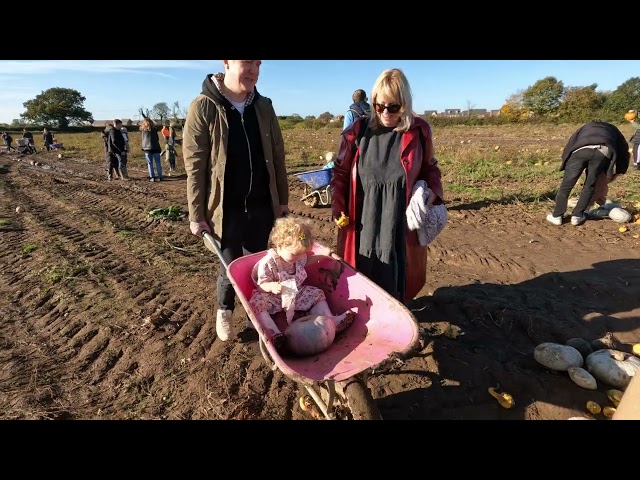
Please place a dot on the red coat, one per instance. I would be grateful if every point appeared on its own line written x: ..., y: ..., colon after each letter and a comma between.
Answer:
x: 418, y: 165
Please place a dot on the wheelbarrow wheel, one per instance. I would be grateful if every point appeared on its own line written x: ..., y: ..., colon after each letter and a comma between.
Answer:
x: 312, y: 200
x: 361, y: 404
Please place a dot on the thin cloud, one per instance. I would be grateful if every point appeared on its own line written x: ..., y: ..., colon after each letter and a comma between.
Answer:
x: 147, y: 67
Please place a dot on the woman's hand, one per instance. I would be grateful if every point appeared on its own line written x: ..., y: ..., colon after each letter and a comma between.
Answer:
x: 342, y: 221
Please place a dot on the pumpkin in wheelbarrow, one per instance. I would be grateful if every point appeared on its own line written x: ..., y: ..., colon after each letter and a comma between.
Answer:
x: 310, y: 335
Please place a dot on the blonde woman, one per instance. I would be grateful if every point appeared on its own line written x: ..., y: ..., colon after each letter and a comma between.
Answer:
x: 380, y: 160
x: 151, y: 148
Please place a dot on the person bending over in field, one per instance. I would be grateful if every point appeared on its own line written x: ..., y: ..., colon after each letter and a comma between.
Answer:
x: 597, y: 147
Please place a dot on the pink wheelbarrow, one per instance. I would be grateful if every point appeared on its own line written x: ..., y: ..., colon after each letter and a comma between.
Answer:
x: 336, y: 379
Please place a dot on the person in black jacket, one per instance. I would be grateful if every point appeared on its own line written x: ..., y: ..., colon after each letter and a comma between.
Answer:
x: 112, y: 149
x: 598, y: 147
x: 8, y: 139
x: 118, y: 146
x: 47, y: 138
x: 27, y: 135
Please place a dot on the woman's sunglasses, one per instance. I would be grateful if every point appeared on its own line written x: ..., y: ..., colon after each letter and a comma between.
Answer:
x: 393, y: 108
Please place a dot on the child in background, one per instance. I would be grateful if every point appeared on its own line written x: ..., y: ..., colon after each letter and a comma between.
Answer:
x: 165, y: 134
x: 280, y: 280
x: 170, y: 156
x: 632, y: 117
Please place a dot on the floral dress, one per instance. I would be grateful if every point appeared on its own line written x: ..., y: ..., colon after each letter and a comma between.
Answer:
x: 272, y: 268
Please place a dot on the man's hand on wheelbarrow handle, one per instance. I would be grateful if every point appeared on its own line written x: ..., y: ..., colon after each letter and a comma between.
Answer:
x: 197, y: 228
x: 322, y: 250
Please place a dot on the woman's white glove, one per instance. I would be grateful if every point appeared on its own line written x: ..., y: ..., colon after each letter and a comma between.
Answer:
x: 417, y: 209
x: 427, y: 220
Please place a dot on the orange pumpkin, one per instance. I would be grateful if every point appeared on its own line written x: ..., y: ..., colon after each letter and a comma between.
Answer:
x: 630, y: 115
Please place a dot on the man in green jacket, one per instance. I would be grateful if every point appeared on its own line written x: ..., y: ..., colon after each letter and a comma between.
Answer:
x: 236, y: 176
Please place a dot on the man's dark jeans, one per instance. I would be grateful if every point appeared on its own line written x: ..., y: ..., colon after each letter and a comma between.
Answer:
x: 596, y: 163
x: 242, y: 233
x: 122, y: 160
x: 111, y: 163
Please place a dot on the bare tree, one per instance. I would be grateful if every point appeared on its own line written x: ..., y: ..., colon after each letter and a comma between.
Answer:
x: 469, y: 107
x: 175, y: 111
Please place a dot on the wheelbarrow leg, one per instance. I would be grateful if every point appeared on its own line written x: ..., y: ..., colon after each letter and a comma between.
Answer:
x: 267, y: 358
x: 325, y: 408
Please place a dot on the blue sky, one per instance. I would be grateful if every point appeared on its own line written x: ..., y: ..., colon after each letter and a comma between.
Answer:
x: 117, y: 88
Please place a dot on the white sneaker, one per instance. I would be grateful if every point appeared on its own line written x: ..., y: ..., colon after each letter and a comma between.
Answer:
x: 578, y: 220
x: 223, y: 324
x: 554, y: 220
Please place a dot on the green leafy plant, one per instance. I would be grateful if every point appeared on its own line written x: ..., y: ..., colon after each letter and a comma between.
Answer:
x: 29, y: 247
x: 173, y: 213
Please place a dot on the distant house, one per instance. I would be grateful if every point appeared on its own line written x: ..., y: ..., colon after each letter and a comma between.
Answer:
x: 337, y: 118
x: 456, y: 112
x: 475, y: 112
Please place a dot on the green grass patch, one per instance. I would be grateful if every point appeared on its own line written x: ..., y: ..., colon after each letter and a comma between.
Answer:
x: 170, y: 213
x: 4, y: 223
x: 55, y: 273
x: 29, y: 247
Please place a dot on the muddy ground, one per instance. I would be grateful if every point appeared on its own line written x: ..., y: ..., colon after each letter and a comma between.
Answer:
x: 107, y: 313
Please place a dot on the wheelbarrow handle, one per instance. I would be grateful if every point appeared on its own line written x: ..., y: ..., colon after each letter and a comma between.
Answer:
x: 211, y: 242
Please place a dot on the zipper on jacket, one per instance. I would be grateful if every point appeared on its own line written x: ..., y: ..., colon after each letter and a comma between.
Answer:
x: 250, y: 162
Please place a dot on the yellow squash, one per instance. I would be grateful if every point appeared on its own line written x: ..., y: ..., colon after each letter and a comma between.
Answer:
x: 504, y: 399
x: 343, y: 221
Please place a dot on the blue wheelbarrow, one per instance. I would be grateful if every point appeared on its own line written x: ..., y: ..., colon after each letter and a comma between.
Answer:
x: 316, y: 186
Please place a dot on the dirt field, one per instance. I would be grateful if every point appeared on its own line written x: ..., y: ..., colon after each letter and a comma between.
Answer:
x: 109, y: 314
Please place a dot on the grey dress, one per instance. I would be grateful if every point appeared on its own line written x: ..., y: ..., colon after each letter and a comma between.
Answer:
x: 381, y: 230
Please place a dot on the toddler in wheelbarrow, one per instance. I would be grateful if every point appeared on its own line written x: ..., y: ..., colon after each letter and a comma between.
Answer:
x: 279, y: 279
x: 334, y: 332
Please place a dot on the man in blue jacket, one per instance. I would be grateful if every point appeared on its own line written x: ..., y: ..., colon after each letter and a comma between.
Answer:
x: 359, y: 108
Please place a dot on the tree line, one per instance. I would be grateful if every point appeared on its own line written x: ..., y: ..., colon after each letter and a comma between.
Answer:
x: 547, y: 99
x: 550, y: 99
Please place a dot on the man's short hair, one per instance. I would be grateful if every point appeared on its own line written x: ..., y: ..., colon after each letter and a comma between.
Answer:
x: 117, y: 120
x: 359, y: 96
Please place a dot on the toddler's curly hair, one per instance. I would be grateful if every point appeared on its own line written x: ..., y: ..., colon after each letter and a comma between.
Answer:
x: 292, y: 232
